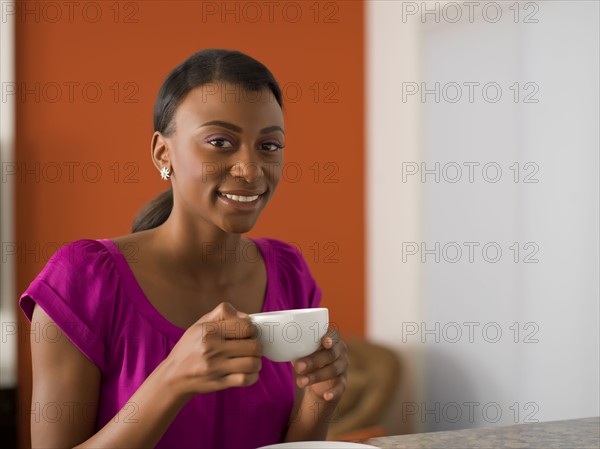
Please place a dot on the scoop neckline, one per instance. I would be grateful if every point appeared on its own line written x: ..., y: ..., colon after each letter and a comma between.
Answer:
x: 146, y: 308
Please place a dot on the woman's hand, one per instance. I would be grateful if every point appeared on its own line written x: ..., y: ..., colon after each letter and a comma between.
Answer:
x: 324, y: 373
x: 218, y: 351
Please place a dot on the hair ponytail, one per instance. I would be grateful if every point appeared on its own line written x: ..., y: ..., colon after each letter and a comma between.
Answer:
x: 154, y: 213
x: 203, y: 67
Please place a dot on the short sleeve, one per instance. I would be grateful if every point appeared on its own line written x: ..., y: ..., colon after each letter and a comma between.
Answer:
x: 76, y: 289
x: 295, y: 276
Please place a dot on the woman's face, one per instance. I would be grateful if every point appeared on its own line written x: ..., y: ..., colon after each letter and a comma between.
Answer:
x: 227, y: 141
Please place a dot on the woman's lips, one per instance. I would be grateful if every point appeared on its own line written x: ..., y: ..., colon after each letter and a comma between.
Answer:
x: 241, y: 205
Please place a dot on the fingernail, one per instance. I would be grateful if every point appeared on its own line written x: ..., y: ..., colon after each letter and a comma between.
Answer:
x: 303, y: 381
x: 328, y: 396
x: 300, y: 367
x: 242, y: 314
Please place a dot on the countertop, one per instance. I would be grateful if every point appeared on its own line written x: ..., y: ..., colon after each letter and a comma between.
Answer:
x: 571, y: 434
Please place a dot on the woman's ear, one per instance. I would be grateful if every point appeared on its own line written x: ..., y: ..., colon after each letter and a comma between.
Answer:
x: 160, y: 151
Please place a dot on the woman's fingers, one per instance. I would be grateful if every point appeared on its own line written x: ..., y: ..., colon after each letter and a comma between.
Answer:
x: 319, y: 359
x: 225, y: 367
x: 223, y: 311
x: 240, y: 371
x: 232, y: 380
x: 238, y: 380
x: 219, y: 351
x: 337, y: 390
x: 241, y: 348
x: 245, y: 365
x: 332, y: 334
x: 229, y: 329
x: 327, y: 372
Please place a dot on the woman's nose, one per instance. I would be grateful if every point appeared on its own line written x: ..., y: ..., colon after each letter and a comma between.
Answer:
x: 247, y: 165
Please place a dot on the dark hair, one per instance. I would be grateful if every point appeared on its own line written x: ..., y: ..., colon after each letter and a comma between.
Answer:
x: 203, y: 67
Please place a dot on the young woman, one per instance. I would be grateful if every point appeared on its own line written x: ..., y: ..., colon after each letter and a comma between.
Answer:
x: 150, y: 343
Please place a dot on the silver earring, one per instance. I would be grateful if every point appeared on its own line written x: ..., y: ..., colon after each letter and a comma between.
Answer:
x: 165, y: 173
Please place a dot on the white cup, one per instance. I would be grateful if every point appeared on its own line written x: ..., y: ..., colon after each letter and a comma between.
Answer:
x: 288, y: 335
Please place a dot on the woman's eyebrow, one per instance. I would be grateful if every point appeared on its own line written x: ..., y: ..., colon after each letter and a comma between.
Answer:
x: 237, y: 129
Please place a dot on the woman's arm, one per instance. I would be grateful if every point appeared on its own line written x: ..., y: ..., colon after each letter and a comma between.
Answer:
x: 66, y: 384
x: 65, y: 398
x: 320, y: 384
x: 310, y: 419
x: 65, y: 388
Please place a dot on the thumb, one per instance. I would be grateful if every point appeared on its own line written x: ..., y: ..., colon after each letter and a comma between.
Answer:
x: 223, y: 311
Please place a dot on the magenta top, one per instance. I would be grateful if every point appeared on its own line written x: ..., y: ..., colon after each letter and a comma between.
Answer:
x: 89, y: 290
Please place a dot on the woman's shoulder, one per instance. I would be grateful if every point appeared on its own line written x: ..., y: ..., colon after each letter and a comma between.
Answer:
x: 294, y: 274
x: 287, y: 256
x: 278, y: 248
x: 281, y: 253
x: 78, y: 265
x: 78, y: 289
x: 78, y: 254
x: 130, y: 245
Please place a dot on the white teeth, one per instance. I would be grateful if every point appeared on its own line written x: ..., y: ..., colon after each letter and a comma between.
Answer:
x: 241, y: 199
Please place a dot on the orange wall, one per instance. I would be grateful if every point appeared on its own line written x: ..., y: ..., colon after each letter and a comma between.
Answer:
x: 126, y: 52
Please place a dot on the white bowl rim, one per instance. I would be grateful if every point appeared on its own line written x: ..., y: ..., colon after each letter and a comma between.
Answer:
x: 289, y: 312
x: 318, y: 445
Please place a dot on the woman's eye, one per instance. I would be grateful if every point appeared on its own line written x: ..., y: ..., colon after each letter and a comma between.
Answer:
x: 271, y: 146
x: 220, y: 143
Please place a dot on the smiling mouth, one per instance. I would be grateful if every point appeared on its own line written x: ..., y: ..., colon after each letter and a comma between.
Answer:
x: 238, y: 197
x: 241, y: 198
